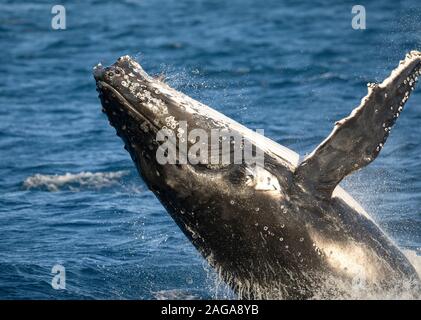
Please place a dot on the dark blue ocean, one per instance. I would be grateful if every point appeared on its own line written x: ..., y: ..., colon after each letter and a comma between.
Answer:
x: 69, y: 192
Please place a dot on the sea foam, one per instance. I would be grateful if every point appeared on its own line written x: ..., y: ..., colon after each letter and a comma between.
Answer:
x: 73, y: 181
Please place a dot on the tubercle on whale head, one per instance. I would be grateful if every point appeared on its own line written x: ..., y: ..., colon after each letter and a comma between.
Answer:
x: 126, y: 80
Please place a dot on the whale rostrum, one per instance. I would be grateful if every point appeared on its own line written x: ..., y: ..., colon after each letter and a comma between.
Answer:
x: 283, y: 229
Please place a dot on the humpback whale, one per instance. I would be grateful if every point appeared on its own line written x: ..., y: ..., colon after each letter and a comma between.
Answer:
x: 300, y: 236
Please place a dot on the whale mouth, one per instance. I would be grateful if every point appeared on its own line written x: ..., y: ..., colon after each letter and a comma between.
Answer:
x: 118, y: 108
x: 126, y: 98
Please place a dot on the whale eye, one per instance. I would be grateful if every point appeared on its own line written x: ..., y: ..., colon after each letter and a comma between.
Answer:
x: 248, y: 175
x: 261, y: 179
x: 249, y: 179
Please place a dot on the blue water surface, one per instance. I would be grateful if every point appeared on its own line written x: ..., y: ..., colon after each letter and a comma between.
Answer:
x: 69, y: 193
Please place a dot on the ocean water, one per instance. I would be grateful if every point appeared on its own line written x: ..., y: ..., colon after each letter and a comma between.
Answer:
x: 69, y: 193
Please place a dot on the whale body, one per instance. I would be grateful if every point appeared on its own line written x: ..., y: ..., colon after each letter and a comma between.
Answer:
x: 281, y: 230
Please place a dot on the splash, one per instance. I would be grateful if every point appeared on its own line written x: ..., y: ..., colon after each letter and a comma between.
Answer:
x: 414, y: 258
x: 73, y: 181
x: 330, y: 288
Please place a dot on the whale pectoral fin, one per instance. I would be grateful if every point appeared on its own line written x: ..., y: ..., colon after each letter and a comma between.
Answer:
x: 358, y: 139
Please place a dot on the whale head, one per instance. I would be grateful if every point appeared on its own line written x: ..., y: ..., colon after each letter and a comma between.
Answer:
x: 205, y: 182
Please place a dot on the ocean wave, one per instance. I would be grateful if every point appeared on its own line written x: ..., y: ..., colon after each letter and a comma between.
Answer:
x: 73, y: 181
